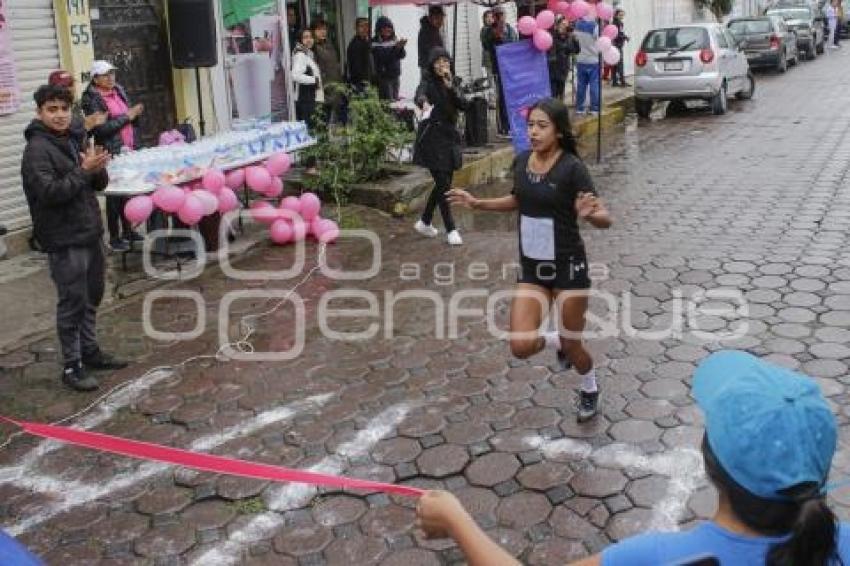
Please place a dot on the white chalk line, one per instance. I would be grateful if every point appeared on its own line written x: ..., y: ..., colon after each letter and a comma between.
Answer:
x: 75, y: 493
x: 105, y: 411
x: 683, y: 467
x: 295, y: 495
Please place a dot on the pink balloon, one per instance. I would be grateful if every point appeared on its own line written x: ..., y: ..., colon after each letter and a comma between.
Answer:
x: 328, y: 232
x: 291, y: 203
x: 281, y: 232
x: 604, y: 11
x: 542, y: 40
x: 235, y: 179
x: 208, y: 199
x: 611, y: 56
x: 563, y: 8
x: 213, y: 181
x: 315, y: 227
x: 227, y: 200
x: 603, y: 44
x: 310, y: 206
x: 610, y: 31
x: 263, y: 212
x: 258, y: 178
x: 579, y: 9
x: 138, y: 209
x: 169, y: 199
x: 552, y: 5
x: 527, y: 25
x: 275, y: 189
x: 299, y: 229
x: 279, y: 163
x: 192, y: 211
x: 545, y: 19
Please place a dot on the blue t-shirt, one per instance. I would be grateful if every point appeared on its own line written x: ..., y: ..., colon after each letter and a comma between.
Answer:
x: 708, y: 540
x: 14, y: 553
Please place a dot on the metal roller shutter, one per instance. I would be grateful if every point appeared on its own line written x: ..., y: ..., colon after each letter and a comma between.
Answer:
x: 36, y: 50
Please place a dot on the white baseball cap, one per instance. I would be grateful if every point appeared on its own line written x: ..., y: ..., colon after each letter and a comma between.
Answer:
x: 101, y: 68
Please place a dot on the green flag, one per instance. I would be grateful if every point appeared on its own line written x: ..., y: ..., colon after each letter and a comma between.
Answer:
x: 235, y: 11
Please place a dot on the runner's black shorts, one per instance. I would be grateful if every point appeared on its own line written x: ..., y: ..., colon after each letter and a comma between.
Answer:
x: 566, y: 273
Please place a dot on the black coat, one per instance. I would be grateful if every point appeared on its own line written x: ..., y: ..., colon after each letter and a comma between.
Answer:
x: 361, y: 68
x: 429, y: 38
x: 437, y: 140
x: 107, y: 134
x: 559, y: 55
x: 60, y: 194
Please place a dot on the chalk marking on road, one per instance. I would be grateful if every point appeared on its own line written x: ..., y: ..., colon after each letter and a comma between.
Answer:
x: 682, y: 465
x: 74, y: 493
x: 105, y: 411
x: 295, y: 495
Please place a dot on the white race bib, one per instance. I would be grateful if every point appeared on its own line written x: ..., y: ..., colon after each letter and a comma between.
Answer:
x: 538, y: 238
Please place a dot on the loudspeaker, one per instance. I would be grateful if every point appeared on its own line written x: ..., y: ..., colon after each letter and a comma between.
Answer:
x: 191, y: 33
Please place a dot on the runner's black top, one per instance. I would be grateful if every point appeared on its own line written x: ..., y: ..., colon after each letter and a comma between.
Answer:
x: 548, y: 220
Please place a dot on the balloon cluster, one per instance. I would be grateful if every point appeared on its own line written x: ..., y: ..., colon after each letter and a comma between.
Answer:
x: 537, y: 28
x: 295, y: 219
x: 214, y: 192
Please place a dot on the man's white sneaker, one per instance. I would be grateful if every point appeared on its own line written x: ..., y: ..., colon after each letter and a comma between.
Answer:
x: 454, y: 238
x: 425, y: 229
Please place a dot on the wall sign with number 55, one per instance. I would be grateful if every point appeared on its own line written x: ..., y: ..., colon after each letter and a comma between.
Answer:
x: 80, y: 34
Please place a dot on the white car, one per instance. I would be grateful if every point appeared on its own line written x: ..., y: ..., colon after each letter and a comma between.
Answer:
x: 691, y: 62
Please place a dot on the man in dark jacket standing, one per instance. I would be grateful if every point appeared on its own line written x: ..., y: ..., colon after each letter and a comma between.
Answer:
x: 387, y: 52
x: 361, y: 69
x: 430, y: 36
x: 563, y: 47
x: 60, y: 179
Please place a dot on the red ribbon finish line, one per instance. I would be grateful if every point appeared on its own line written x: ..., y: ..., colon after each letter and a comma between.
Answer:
x: 205, y: 462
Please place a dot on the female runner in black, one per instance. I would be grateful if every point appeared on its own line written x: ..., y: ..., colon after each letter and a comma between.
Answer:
x: 552, y: 191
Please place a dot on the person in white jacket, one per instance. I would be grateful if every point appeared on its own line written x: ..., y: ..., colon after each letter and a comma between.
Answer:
x: 307, y: 78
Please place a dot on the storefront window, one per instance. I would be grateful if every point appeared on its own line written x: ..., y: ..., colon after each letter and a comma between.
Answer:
x: 254, y: 66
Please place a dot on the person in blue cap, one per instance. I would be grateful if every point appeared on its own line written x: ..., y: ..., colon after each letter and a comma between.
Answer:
x: 769, y: 441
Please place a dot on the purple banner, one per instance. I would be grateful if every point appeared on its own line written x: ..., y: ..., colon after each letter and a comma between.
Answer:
x: 524, y: 72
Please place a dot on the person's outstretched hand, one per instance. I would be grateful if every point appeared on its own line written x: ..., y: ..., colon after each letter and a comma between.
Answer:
x: 436, y: 513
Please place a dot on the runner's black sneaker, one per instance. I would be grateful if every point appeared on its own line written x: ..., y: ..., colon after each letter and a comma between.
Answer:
x: 74, y: 377
x: 588, y: 405
x: 98, y: 359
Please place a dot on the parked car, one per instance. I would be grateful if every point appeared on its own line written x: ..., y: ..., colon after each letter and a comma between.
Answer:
x: 691, y: 62
x: 808, y: 26
x: 766, y: 41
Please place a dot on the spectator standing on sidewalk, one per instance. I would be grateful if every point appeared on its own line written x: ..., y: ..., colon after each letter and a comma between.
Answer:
x: 831, y: 13
x: 116, y: 135
x: 330, y: 70
x: 361, y: 67
x: 620, y: 43
x: 839, y: 21
x: 770, y: 437
x: 60, y: 178
x: 430, y: 35
x: 387, y: 52
x: 487, y: 20
x: 307, y: 77
x: 587, y: 66
x: 437, y: 146
x: 500, y: 32
x: 563, y: 47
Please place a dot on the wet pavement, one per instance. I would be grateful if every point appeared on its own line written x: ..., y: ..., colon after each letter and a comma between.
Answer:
x: 708, y: 210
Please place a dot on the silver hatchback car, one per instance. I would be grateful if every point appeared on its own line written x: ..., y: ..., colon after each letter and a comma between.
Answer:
x: 691, y: 62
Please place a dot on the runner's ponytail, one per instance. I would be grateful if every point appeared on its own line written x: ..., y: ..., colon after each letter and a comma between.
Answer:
x: 813, y: 537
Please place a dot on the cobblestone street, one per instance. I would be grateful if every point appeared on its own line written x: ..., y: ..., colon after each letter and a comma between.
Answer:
x: 755, y: 202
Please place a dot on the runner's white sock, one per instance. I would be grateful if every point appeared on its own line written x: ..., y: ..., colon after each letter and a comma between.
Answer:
x: 552, y: 339
x: 588, y: 381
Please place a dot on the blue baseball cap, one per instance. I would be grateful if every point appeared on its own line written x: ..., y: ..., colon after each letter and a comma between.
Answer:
x: 770, y: 428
